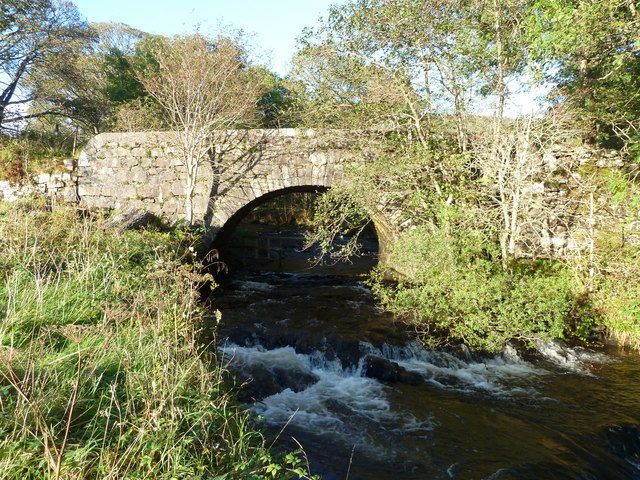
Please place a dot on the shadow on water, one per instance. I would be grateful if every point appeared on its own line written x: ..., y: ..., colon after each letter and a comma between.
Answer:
x: 362, y: 395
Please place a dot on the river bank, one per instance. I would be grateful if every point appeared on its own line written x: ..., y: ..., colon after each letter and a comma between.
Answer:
x: 101, y: 371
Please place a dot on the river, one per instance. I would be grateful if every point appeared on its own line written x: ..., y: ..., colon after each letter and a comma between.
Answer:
x: 366, y: 400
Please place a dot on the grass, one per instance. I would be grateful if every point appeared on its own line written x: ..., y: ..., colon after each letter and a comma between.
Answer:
x: 101, y: 371
x: 618, y: 291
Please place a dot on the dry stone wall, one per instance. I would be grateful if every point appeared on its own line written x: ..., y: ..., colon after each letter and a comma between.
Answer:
x: 58, y: 186
x: 577, y: 202
x: 146, y: 170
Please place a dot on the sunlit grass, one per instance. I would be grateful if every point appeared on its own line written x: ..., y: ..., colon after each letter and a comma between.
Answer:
x: 101, y: 372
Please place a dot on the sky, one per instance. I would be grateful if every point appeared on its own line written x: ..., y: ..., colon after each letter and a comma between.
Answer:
x: 273, y: 25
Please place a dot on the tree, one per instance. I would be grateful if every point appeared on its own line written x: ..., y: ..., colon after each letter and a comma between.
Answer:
x: 277, y: 106
x: 589, y: 51
x: 202, y: 85
x: 417, y: 65
x: 37, y: 39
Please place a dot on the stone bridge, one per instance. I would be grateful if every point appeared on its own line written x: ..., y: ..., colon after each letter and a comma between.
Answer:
x: 245, y: 168
x: 248, y: 167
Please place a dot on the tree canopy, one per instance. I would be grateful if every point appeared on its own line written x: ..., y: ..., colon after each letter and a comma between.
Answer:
x: 38, y: 41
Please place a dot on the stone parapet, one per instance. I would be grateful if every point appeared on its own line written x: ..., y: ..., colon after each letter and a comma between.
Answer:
x: 120, y: 168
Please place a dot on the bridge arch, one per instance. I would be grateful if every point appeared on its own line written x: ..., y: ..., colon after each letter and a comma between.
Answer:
x: 145, y: 170
x: 224, y: 233
x: 221, y: 235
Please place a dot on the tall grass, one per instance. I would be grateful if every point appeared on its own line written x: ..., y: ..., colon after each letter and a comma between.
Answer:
x: 101, y: 372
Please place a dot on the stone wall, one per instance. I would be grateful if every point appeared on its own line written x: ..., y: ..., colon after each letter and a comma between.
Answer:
x: 58, y: 186
x: 574, y: 216
x: 146, y: 170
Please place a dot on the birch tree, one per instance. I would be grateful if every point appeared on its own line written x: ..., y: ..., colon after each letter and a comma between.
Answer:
x: 202, y: 85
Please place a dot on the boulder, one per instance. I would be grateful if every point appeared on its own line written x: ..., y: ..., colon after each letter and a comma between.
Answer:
x: 131, y: 219
x: 388, y: 371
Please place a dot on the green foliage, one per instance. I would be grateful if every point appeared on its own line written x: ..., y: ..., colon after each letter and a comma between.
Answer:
x: 11, y: 164
x: 122, y: 84
x: 142, y: 114
x: 616, y: 291
x: 336, y: 215
x: 589, y: 51
x: 404, y: 65
x: 101, y: 371
x: 290, y: 209
x: 277, y: 106
x: 39, y: 42
x: 455, y: 289
x: 624, y: 192
x: 32, y: 153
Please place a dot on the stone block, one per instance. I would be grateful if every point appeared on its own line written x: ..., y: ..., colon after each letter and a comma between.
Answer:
x: 84, y: 160
x: 129, y: 162
x: 111, y: 191
x: 69, y: 164
x: 200, y: 206
x: 318, y: 158
x: 122, y: 152
x: 122, y: 176
x: 130, y: 219
x: 172, y: 206
x: 166, y: 177
x: 42, y: 178
x: 147, y: 162
x: 162, y: 161
x: 139, y: 175
x: 139, y: 152
x: 70, y: 194
x: 89, y: 190
x: 127, y: 192
x: 177, y: 188
x: 148, y: 191
x: 55, y: 184
x: 97, y: 202
x: 329, y: 174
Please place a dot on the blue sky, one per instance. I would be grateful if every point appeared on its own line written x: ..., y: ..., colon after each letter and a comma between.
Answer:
x: 275, y: 24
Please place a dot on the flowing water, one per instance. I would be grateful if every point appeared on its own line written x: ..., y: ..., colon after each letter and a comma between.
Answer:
x: 367, y: 401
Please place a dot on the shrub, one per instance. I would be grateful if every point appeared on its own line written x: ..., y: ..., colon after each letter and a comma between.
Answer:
x: 455, y: 289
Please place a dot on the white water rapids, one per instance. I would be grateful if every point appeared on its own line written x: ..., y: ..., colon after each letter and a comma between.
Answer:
x: 313, y: 353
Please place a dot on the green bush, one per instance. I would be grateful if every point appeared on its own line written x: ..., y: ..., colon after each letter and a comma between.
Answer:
x: 32, y: 153
x: 456, y: 290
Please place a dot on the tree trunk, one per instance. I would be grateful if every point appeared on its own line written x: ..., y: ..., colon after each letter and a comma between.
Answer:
x: 192, y: 177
